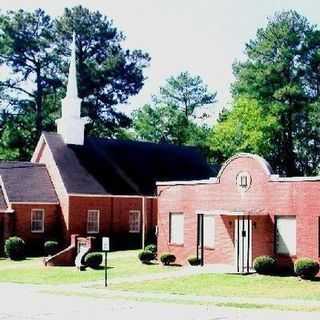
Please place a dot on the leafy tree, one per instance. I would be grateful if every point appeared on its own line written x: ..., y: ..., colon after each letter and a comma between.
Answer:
x: 26, y: 44
x: 163, y: 123
x: 35, y: 49
x: 282, y: 73
x: 246, y: 128
x: 186, y: 93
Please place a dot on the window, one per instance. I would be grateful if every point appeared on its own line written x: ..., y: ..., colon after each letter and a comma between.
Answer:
x: 134, y: 221
x: 93, y: 221
x: 37, y: 220
x: 286, y: 235
x: 243, y: 181
x: 208, y: 231
x: 176, y: 228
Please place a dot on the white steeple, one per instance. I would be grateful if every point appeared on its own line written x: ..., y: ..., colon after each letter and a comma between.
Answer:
x: 71, y: 125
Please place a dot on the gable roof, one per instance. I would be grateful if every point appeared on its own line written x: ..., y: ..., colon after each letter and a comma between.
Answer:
x: 123, y: 167
x: 26, y: 182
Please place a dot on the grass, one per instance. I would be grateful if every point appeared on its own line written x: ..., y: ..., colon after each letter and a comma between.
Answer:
x: 226, y: 285
x: 32, y: 270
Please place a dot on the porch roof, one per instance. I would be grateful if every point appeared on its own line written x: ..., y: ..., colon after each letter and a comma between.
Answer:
x: 236, y: 212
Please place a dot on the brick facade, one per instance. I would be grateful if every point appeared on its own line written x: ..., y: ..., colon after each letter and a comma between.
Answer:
x: 268, y: 196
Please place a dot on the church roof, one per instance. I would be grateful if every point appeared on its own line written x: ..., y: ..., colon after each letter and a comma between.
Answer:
x: 124, y: 167
x: 26, y: 182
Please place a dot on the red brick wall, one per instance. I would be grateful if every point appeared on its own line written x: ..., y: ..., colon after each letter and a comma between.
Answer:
x: 114, y: 214
x: 22, y: 224
x: 45, y: 156
x: 265, y: 197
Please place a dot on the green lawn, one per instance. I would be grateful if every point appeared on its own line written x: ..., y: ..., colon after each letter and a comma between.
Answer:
x: 32, y: 270
x: 253, y: 286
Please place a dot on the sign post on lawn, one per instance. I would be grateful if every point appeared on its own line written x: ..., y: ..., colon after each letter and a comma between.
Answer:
x: 105, y: 248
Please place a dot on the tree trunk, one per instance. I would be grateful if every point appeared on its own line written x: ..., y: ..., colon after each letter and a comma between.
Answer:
x: 39, y: 97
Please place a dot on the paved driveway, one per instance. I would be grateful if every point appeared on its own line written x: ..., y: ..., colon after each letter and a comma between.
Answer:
x: 20, y: 302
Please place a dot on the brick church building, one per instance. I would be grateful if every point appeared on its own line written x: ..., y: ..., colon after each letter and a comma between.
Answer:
x: 89, y: 186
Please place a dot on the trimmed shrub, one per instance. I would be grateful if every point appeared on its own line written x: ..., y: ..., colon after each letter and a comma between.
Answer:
x: 151, y: 248
x: 51, y: 248
x: 306, y: 268
x: 193, y: 261
x: 15, y: 248
x: 167, y: 258
x: 146, y: 256
x: 264, y: 265
x: 93, y: 260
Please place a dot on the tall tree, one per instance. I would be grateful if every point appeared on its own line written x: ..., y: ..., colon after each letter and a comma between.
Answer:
x: 282, y: 73
x: 35, y: 50
x: 245, y: 128
x: 186, y: 92
x: 108, y: 73
x: 26, y: 45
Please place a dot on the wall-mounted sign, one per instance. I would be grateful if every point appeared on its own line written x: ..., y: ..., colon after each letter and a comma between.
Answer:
x: 243, y: 180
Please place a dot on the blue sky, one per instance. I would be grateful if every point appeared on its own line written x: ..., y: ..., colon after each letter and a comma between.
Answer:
x: 203, y: 36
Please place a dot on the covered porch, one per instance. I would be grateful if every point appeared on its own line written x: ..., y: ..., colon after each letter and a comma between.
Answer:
x: 250, y: 233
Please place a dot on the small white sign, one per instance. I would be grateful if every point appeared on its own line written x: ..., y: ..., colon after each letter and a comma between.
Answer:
x: 105, y: 244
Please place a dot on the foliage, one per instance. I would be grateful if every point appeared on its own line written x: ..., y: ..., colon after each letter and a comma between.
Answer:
x: 151, y: 248
x: 306, y: 268
x: 281, y: 72
x: 246, y: 128
x: 146, y: 256
x: 167, y: 258
x: 264, y: 265
x: 51, y: 247
x: 15, y: 248
x: 34, y: 48
x: 193, y: 261
x: 186, y: 93
x: 93, y: 259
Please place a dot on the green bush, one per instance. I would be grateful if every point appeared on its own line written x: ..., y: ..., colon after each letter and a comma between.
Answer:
x: 93, y: 260
x: 306, y: 268
x: 194, y: 261
x: 51, y: 248
x: 167, y: 258
x: 146, y: 256
x: 151, y: 248
x: 264, y: 265
x: 15, y: 248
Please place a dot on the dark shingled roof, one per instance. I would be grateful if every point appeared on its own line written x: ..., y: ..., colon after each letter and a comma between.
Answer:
x: 3, y: 203
x: 124, y: 167
x: 27, y: 182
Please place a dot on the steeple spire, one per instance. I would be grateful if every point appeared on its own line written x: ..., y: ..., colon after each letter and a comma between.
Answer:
x: 71, y: 125
x: 72, y: 87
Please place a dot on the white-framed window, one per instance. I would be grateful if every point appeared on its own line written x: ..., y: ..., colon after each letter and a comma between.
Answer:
x: 176, y: 226
x: 208, y: 231
x: 286, y: 236
x: 93, y: 221
x: 37, y: 220
x: 134, y: 221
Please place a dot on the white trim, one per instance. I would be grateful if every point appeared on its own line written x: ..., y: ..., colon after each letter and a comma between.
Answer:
x: 109, y: 196
x: 5, y: 194
x: 170, y: 229
x: 98, y: 221
x: 277, y: 178
x: 189, y: 182
x: 43, y: 140
x: 35, y: 202
x: 43, y: 218
x: 139, y: 224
